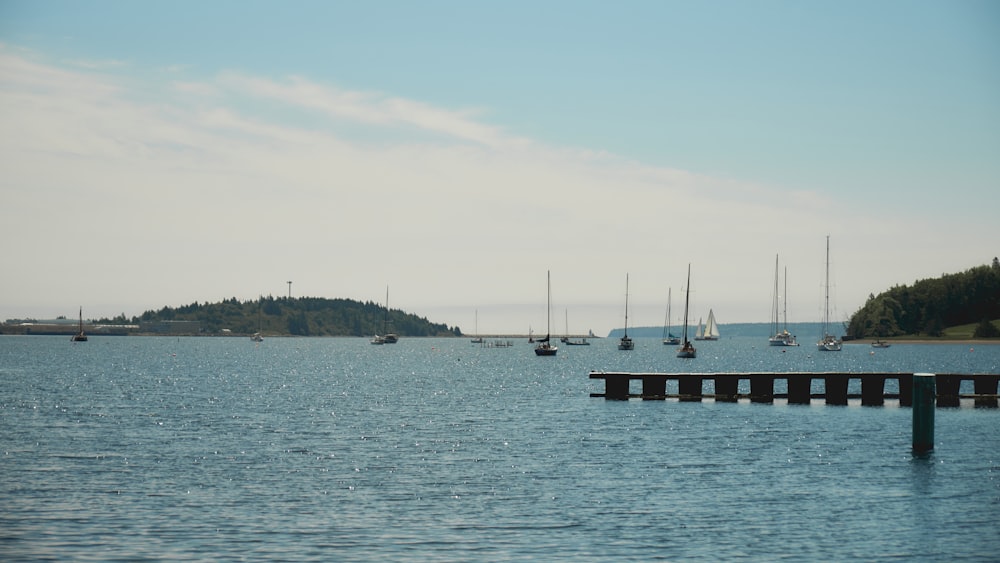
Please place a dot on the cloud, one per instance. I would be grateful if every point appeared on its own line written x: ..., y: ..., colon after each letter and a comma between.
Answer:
x: 233, y: 185
x: 371, y: 108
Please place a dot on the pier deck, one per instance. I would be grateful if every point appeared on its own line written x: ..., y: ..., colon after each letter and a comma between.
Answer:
x: 690, y: 387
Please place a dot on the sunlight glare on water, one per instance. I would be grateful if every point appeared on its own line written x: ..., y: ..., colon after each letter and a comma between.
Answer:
x: 138, y: 448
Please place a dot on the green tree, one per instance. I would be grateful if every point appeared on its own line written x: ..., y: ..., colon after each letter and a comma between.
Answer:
x: 986, y: 329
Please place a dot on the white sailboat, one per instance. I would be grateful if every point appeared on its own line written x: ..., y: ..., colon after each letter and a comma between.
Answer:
x: 687, y: 349
x: 626, y: 343
x: 668, y: 338
x: 711, y: 329
x: 545, y: 347
x: 781, y: 336
x: 257, y: 336
x: 828, y: 343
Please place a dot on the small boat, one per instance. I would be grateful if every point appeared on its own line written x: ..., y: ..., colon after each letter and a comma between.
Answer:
x: 569, y: 341
x: 545, y: 347
x: 626, y: 343
x: 668, y: 338
x: 880, y: 344
x: 687, y: 349
x: 781, y: 336
x: 710, y: 330
x: 80, y: 336
x: 828, y: 343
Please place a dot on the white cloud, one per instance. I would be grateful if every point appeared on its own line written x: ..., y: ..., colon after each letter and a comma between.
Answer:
x: 371, y: 108
x: 129, y: 203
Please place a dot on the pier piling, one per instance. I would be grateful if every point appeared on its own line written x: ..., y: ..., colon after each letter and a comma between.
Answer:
x: 761, y: 388
x: 985, y: 387
x: 923, y: 412
x: 800, y: 389
x: 836, y: 388
x: 690, y: 388
x: 727, y: 388
x: 873, y: 391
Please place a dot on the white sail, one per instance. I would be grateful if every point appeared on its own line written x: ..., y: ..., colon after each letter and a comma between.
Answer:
x: 711, y: 327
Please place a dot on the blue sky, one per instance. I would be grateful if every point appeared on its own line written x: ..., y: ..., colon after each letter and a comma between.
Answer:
x: 456, y: 150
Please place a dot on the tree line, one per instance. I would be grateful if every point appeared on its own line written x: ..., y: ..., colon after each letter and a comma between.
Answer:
x: 929, y: 306
x: 300, y: 316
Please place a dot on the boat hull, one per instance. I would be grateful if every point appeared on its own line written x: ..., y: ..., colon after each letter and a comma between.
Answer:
x: 829, y: 344
x: 782, y: 340
x: 545, y: 350
x: 687, y: 351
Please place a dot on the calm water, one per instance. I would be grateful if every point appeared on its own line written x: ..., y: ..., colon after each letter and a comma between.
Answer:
x: 137, y: 448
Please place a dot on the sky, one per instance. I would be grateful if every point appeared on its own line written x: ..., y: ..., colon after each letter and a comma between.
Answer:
x: 163, y: 153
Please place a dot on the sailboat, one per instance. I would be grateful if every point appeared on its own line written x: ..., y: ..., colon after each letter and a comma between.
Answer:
x: 257, y: 337
x: 390, y: 337
x: 476, y: 339
x: 80, y: 336
x: 781, y: 336
x: 545, y: 347
x: 687, y: 349
x: 626, y: 343
x: 669, y: 338
x: 711, y: 329
x: 828, y: 343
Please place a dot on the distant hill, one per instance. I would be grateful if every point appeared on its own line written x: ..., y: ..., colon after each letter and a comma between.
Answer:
x: 301, y: 316
x: 930, y: 306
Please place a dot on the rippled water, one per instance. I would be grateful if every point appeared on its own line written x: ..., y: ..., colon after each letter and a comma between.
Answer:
x: 137, y: 448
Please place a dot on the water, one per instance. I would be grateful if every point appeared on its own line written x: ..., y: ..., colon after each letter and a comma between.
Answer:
x: 136, y: 448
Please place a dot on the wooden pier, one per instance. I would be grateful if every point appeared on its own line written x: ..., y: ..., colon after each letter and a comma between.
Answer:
x: 690, y: 387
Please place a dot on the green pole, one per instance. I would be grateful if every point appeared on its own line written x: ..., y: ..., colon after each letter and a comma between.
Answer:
x: 923, y: 412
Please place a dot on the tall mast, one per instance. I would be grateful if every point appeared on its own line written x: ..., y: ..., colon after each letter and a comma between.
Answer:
x: 548, y: 304
x: 774, y: 313
x: 784, y: 307
x: 687, y: 300
x: 826, y: 286
x: 626, y: 305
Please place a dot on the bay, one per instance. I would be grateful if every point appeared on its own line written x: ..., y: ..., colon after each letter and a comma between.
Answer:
x: 302, y: 449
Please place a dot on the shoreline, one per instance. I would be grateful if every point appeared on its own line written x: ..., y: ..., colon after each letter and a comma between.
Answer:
x: 897, y: 340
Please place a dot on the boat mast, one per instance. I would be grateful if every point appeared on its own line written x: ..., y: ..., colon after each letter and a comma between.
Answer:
x: 774, y: 313
x: 548, y: 305
x: 666, y: 324
x: 784, y: 307
x: 826, y: 287
x: 687, y: 300
x: 626, y: 305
